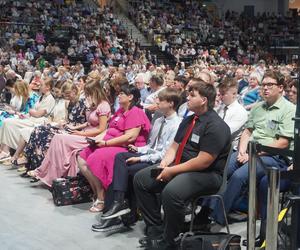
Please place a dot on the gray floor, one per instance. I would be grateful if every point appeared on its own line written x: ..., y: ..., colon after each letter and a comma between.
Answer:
x: 30, y: 221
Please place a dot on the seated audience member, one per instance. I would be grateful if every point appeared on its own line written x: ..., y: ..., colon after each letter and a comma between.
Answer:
x: 183, y: 110
x: 242, y: 83
x: 60, y: 159
x: 57, y: 114
x: 263, y: 189
x: 40, y: 139
x: 231, y: 111
x: 292, y: 94
x: 156, y: 85
x: 129, y: 125
x: 180, y: 84
x: 127, y: 164
x: 169, y: 79
x: 270, y: 123
x: 11, y: 130
x: 36, y: 81
x: 140, y: 84
x: 22, y: 101
x: 192, y: 166
x: 250, y: 95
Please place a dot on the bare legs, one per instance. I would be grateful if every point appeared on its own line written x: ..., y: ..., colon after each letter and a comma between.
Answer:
x: 95, y: 185
x: 4, y: 155
x: 19, y: 150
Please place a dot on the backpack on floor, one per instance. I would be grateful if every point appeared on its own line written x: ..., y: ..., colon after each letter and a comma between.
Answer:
x: 71, y: 190
x: 210, y: 241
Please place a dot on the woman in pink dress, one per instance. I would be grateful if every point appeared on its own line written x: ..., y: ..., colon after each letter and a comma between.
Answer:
x: 129, y: 125
x: 60, y: 160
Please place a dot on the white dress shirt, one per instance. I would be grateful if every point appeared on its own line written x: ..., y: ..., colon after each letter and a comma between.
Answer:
x: 155, y: 151
x: 236, y: 115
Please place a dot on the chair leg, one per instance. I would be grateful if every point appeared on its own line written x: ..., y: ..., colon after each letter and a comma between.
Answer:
x: 224, y: 213
x: 194, y: 207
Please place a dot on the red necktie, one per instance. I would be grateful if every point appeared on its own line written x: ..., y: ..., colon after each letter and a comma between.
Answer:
x: 184, y: 141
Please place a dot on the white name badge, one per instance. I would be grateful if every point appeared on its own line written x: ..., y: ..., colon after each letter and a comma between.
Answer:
x: 195, y: 138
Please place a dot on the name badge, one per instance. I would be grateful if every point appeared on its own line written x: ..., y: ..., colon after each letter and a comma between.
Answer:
x: 195, y: 138
x: 271, y: 124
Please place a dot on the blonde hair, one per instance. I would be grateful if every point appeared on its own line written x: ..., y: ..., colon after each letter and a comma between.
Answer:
x: 70, y: 86
x: 94, y: 89
x: 22, y: 89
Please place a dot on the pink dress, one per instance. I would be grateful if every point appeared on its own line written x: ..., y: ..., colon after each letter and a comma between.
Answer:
x: 101, y: 160
x: 60, y: 160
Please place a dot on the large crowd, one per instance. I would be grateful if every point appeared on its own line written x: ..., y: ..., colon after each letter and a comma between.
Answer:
x: 187, y: 31
x: 132, y: 128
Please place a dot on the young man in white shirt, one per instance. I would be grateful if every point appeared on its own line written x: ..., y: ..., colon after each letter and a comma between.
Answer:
x: 231, y: 111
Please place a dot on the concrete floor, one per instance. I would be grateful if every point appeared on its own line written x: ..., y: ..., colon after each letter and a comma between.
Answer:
x: 30, y: 221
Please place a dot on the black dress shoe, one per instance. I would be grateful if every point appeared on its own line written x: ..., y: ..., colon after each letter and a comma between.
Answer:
x: 34, y: 180
x: 130, y: 219
x: 147, y: 240
x: 118, y: 209
x: 107, y: 225
x: 258, y: 242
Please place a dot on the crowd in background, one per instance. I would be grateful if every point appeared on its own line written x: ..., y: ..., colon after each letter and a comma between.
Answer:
x: 187, y: 30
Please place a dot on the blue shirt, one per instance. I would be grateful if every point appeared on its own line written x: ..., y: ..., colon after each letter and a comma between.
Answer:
x: 251, y: 96
x: 154, y: 151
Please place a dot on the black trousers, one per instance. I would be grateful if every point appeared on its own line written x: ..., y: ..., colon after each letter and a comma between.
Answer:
x: 174, y: 195
x: 123, y: 175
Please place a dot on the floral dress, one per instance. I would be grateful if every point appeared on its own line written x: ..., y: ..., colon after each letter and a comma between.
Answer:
x: 41, y: 137
x: 33, y: 98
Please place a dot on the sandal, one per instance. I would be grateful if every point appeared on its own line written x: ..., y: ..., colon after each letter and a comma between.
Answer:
x: 32, y: 174
x: 22, y: 169
x: 95, y: 207
x: 17, y: 164
x: 7, y: 163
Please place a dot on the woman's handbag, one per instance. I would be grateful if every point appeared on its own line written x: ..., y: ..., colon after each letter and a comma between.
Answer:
x: 71, y: 190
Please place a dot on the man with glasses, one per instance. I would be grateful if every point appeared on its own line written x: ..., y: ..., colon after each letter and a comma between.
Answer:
x: 270, y: 123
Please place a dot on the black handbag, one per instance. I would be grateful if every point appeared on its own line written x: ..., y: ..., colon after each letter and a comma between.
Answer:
x: 210, y: 241
x: 71, y: 190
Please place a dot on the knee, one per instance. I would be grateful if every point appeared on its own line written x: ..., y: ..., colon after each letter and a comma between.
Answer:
x: 81, y: 164
x: 170, y: 197
x: 137, y: 182
x: 238, y: 177
x: 120, y: 159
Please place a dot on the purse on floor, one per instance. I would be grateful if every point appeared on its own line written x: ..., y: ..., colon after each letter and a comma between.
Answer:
x: 210, y: 241
x: 71, y: 190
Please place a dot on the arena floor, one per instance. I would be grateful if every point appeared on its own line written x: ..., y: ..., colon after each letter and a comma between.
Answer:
x: 30, y: 221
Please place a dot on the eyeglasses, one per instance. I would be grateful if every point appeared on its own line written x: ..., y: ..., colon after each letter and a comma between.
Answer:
x: 268, y: 84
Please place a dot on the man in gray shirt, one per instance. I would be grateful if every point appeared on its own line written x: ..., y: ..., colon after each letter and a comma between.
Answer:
x: 129, y: 163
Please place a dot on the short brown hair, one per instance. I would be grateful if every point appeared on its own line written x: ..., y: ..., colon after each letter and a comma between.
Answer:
x: 157, y: 79
x: 276, y: 75
x: 228, y: 83
x: 170, y: 95
x: 206, y: 90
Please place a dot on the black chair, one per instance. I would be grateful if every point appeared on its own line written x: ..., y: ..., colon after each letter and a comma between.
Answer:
x: 217, y: 195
